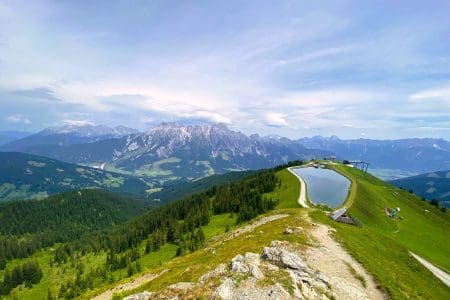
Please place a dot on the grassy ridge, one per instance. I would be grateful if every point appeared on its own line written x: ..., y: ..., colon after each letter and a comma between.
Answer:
x: 382, y: 244
x: 204, y: 260
x: 55, y: 275
x: 287, y: 193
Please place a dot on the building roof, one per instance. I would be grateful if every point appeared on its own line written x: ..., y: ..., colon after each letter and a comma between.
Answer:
x: 338, y: 213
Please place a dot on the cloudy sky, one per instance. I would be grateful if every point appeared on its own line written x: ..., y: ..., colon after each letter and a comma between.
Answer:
x: 293, y: 68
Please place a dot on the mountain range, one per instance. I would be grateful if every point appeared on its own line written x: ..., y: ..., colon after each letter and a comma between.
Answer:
x: 68, y: 135
x: 167, y: 151
x: 172, y: 151
x: 413, y: 155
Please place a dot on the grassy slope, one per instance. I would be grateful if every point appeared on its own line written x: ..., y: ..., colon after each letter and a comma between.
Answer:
x: 382, y: 244
x: 288, y: 192
x: 218, y: 224
x: 204, y: 260
x: 55, y: 275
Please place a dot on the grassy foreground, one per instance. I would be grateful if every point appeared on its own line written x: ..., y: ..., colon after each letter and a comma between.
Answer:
x: 382, y: 244
x: 54, y: 275
x: 217, y: 252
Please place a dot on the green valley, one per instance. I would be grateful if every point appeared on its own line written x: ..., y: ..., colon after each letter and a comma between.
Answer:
x: 162, y: 254
x: 25, y: 176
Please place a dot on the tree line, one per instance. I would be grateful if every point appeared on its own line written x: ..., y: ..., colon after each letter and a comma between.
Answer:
x: 28, y: 273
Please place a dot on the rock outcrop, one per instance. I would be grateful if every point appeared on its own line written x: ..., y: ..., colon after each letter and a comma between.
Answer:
x: 279, y: 272
x: 283, y: 258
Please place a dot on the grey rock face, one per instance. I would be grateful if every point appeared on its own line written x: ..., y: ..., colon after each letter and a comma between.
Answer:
x: 284, y: 258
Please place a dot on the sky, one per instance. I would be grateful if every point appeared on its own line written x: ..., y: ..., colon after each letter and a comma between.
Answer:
x: 372, y: 69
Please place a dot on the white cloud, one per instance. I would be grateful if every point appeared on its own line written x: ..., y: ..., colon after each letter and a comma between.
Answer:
x: 438, y: 95
x: 77, y: 122
x: 251, y: 74
x: 317, y: 55
x: 273, y: 119
x: 212, y: 116
x: 16, y: 119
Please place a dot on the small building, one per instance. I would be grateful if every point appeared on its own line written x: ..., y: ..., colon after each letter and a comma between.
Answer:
x: 342, y: 216
x: 330, y: 157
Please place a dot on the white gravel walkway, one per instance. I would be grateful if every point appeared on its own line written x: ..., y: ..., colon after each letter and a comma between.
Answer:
x: 302, y: 196
x: 444, y: 277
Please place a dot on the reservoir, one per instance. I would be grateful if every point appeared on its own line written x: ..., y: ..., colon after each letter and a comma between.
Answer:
x: 324, y: 186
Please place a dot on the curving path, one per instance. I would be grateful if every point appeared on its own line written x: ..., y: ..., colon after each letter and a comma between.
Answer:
x: 444, y: 277
x: 302, y: 196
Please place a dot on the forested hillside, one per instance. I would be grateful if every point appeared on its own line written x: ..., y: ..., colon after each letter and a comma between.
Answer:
x: 25, y: 176
x: 177, y: 189
x: 27, y: 226
x: 176, y: 225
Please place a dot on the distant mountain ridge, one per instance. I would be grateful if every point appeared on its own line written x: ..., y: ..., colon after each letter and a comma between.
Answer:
x: 434, y: 185
x: 24, y: 176
x: 416, y: 154
x: 171, y: 151
x: 9, y: 136
x: 68, y: 135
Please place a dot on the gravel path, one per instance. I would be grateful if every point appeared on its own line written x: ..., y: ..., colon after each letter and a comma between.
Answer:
x: 253, y: 225
x: 444, y: 277
x: 333, y: 260
x: 107, y: 295
x: 302, y: 196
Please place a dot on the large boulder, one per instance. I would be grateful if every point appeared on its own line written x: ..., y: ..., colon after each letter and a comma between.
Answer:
x: 284, y: 258
x: 238, y: 265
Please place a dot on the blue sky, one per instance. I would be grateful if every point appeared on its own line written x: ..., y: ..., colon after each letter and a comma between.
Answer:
x: 376, y: 69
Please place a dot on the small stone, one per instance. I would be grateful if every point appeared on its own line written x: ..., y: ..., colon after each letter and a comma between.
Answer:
x: 140, y: 296
x: 288, y: 230
x: 238, y: 265
x: 226, y: 290
x: 256, y: 272
x: 271, y: 268
x: 251, y: 258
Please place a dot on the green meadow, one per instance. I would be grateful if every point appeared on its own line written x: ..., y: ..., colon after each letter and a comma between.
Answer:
x: 382, y: 243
